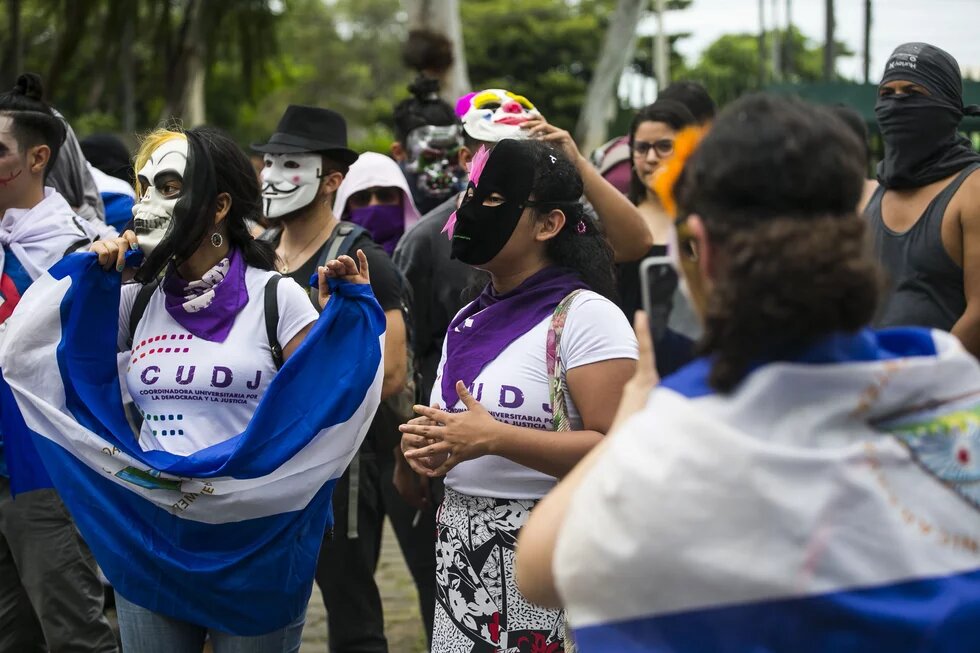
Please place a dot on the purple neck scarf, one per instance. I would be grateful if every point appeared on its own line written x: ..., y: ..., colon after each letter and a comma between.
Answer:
x: 208, y: 308
x: 487, y: 326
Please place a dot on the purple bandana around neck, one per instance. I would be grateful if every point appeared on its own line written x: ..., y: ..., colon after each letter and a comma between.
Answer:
x: 208, y: 308
x: 487, y: 326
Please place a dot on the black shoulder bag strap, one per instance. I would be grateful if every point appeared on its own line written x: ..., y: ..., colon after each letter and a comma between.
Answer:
x: 272, y: 318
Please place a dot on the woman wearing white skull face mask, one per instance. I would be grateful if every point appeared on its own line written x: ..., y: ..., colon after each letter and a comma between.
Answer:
x: 211, y: 296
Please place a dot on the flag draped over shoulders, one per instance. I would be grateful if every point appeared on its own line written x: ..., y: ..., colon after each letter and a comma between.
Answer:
x: 830, y: 503
x: 227, y: 536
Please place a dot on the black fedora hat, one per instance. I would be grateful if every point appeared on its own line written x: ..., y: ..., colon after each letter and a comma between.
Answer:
x: 310, y: 129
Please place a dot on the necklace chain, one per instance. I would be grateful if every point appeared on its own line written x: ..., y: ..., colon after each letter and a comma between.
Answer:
x: 285, y: 259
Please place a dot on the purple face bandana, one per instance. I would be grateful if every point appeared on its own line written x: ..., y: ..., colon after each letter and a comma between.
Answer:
x: 487, y: 326
x: 385, y: 223
x: 208, y: 308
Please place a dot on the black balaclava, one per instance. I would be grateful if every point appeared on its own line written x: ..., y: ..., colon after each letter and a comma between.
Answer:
x: 190, y: 220
x: 482, y: 231
x: 922, y: 144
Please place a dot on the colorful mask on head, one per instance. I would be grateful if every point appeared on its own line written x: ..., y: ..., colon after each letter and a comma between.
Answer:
x: 162, y: 183
x: 290, y: 182
x: 480, y: 232
x: 495, y: 114
x: 433, y: 162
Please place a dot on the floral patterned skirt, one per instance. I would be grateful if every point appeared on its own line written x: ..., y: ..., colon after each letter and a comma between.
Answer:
x: 478, y: 606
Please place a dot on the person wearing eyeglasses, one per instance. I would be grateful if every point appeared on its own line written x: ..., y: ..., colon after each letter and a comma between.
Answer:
x: 651, y: 142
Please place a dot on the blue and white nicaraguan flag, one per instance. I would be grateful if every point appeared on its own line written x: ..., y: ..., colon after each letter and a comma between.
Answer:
x: 227, y: 536
x: 831, y: 503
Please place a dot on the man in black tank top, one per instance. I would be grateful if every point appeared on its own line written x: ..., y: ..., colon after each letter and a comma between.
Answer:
x: 925, y: 214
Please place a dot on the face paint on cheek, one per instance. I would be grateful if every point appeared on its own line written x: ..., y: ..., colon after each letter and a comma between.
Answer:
x: 5, y: 180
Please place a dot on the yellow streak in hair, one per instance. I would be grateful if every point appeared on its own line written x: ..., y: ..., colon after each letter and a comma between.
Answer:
x: 148, y: 146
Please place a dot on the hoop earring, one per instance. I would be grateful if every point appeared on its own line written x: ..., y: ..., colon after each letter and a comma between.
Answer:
x: 216, y: 239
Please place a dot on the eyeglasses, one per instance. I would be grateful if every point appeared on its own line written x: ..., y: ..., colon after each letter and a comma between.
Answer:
x: 663, y: 147
x: 362, y: 198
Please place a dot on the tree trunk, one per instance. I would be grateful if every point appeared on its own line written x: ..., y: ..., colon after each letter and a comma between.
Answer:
x: 762, y: 43
x: 13, y: 60
x: 74, y: 29
x: 443, y: 16
x: 777, y: 63
x: 867, y: 41
x: 127, y: 74
x: 829, y: 56
x: 617, y: 50
x: 187, y: 95
x: 788, y: 71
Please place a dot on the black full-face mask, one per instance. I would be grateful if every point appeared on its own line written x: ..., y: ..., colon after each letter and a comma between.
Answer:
x: 482, y: 231
x: 922, y: 144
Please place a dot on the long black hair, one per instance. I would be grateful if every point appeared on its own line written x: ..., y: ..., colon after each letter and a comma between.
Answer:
x: 580, y: 245
x: 669, y: 112
x: 216, y: 165
x: 34, y: 122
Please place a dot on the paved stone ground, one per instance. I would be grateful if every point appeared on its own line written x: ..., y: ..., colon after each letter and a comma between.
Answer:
x: 403, y: 623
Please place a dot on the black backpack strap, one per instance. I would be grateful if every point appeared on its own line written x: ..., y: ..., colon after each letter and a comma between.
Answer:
x: 272, y: 318
x: 139, y: 307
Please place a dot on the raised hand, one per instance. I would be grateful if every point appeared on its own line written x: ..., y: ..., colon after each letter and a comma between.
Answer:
x: 112, y: 253
x: 345, y: 269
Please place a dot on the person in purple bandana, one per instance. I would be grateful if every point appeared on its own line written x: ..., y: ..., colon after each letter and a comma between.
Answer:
x: 530, y: 377
x: 375, y: 195
x: 202, y: 292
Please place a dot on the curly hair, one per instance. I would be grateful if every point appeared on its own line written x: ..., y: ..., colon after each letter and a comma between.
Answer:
x: 580, y: 245
x: 776, y: 183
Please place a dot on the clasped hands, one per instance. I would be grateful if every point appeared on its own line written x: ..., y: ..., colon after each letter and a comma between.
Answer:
x: 437, y: 440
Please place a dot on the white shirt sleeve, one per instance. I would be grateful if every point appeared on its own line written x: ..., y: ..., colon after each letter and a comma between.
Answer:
x: 596, y: 330
x: 295, y: 310
x: 127, y: 297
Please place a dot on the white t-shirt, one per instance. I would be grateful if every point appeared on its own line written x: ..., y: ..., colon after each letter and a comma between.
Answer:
x: 193, y: 393
x: 514, y: 387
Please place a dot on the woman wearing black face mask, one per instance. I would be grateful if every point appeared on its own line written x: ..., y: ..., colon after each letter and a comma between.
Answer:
x: 530, y: 377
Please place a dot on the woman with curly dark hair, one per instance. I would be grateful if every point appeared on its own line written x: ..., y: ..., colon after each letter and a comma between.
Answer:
x: 809, y: 484
x: 531, y: 373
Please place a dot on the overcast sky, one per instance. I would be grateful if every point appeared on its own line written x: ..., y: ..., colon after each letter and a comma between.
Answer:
x: 953, y: 25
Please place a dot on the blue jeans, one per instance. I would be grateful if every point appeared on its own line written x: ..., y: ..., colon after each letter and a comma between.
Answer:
x: 145, y: 631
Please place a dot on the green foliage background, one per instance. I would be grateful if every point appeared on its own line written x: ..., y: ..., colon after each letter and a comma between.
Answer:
x: 344, y: 54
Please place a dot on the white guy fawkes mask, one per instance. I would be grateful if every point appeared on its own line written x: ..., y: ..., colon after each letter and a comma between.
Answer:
x: 495, y: 114
x: 290, y: 182
x: 162, y: 183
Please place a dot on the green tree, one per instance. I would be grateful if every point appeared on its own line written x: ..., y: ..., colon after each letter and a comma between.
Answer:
x: 729, y: 67
x: 544, y: 49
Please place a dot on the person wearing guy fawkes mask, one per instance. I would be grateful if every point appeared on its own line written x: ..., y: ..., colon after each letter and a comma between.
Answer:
x: 306, y: 160
x: 925, y: 214
x: 428, y: 137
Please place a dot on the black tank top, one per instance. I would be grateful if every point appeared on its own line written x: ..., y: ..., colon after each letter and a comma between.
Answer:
x: 925, y: 286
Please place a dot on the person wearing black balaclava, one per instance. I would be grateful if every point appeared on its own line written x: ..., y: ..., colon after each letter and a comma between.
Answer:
x: 925, y: 214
